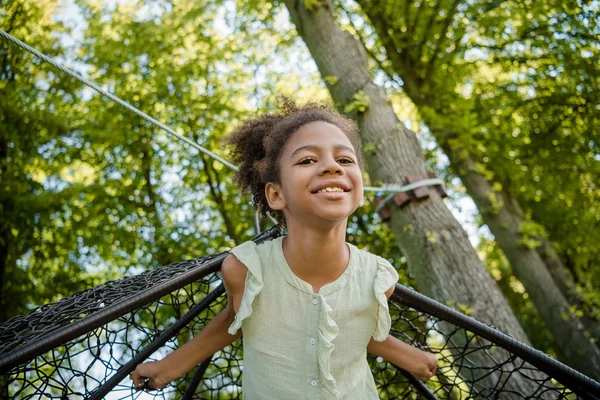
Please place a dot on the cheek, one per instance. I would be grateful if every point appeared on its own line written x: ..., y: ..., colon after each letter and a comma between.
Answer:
x: 299, y: 177
x: 359, y: 198
x: 358, y: 178
x: 359, y: 188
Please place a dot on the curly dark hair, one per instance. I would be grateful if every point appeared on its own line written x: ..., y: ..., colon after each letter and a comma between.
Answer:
x: 258, y: 144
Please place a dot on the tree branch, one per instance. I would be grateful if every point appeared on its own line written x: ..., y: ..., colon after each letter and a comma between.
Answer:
x: 410, y: 29
x: 385, y: 70
x: 431, y: 21
x: 407, y: 4
x: 441, y: 39
x: 213, y: 183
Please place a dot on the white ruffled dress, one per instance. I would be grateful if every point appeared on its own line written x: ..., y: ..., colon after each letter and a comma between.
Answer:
x: 301, y: 345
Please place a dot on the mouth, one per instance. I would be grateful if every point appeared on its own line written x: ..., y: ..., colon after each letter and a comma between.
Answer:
x: 332, y: 189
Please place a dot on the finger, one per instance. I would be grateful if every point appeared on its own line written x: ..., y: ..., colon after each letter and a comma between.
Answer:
x: 138, y: 382
x: 141, y: 384
x: 135, y: 376
x: 148, y: 385
x: 423, y: 376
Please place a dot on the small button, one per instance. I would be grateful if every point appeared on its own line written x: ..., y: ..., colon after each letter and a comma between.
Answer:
x: 312, y: 340
x: 314, y: 383
x: 314, y: 301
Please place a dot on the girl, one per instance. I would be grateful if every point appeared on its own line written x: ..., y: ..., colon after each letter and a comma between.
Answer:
x: 310, y: 305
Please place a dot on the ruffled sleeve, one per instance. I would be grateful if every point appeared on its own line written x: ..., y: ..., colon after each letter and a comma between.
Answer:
x: 248, y: 255
x: 386, y: 277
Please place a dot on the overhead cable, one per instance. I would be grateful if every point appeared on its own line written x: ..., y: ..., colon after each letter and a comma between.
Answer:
x: 114, y: 98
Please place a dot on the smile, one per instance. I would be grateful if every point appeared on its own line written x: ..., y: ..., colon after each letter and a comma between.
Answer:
x: 330, y: 189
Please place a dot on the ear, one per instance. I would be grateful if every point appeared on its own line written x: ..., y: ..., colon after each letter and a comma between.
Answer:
x: 274, y: 196
x: 362, y: 202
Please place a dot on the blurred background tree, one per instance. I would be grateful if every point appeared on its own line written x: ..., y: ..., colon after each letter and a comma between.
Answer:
x: 480, y: 75
x: 90, y: 192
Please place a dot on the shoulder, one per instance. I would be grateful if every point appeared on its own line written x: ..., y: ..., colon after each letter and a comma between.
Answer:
x: 384, y: 274
x: 369, y: 262
x: 390, y: 291
x: 387, y: 275
x: 247, y: 257
x: 234, y: 273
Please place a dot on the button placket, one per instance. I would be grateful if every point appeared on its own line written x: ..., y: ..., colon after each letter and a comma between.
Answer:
x: 312, y: 334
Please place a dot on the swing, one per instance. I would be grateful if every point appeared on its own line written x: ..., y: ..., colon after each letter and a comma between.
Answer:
x: 85, y: 345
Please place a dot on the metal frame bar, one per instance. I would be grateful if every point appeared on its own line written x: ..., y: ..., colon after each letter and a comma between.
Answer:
x: 167, y: 334
x: 574, y: 380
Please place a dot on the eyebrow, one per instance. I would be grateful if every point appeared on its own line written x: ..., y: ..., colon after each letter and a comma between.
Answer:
x: 312, y: 147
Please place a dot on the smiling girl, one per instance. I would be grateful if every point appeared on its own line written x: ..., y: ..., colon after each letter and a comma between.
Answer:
x: 309, y: 304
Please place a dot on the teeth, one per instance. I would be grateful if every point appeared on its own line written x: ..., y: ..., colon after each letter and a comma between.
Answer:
x: 331, y: 189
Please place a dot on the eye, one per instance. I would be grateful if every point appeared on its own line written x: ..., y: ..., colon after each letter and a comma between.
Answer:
x: 306, y: 161
x: 345, y: 160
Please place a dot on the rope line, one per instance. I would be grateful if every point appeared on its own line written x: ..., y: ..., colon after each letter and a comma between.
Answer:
x: 114, y: 98
x: 396, y: 188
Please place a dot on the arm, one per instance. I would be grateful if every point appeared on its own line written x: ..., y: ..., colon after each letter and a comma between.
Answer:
x: 212, y: 338
x: 420, y: 363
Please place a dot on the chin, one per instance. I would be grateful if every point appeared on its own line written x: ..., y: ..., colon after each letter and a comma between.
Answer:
x: 334, y: 216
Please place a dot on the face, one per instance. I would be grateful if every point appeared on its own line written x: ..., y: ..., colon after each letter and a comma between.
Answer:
x: 321, y: 180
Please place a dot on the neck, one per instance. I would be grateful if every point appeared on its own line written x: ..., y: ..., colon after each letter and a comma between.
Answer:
x: 317, y: 256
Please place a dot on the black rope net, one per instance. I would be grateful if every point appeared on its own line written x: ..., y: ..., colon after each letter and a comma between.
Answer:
x: 84, y: 346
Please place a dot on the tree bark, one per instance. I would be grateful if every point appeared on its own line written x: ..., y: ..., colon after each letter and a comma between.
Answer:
x: 504, y: 218
x: 214, y: 185
x: 566, y: 284
x: 5, y: 236
x: 162, y: 240
x: 574, y: 347
x: 6, y: 200
x: 439, y: 254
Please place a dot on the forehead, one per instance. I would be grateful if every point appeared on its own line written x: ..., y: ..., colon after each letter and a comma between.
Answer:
x: 318, y: 133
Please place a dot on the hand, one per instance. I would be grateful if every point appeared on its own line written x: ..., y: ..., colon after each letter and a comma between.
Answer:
x: 154, y: 372
x: 426, y: 367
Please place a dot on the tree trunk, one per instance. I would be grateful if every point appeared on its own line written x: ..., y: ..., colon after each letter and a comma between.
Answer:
x: 566, y: 284
x: 504, y: 218
x: 575, y: 348
x: 4, y: 229
x: 214, y: 185
x: 4, y: 247
x: 439, y: 254
x: 6, y: 201
x: 162, y: 240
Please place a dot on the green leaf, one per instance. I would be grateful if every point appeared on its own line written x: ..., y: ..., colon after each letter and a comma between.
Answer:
x: 331, y: 79
x: 311, y: 5
x: 360, y: 102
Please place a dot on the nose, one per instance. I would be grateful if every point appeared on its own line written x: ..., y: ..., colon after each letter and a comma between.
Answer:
x: 331, y: 166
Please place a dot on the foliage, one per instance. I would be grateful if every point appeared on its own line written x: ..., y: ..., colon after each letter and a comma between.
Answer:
x: 32, y: 120
x: 512, y: 85
x: 515, y: 293
x: 102, y: 193
x: 311, y: 5
x: 539, y: 112
x: 90, y: 192
x: 360, y: 102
